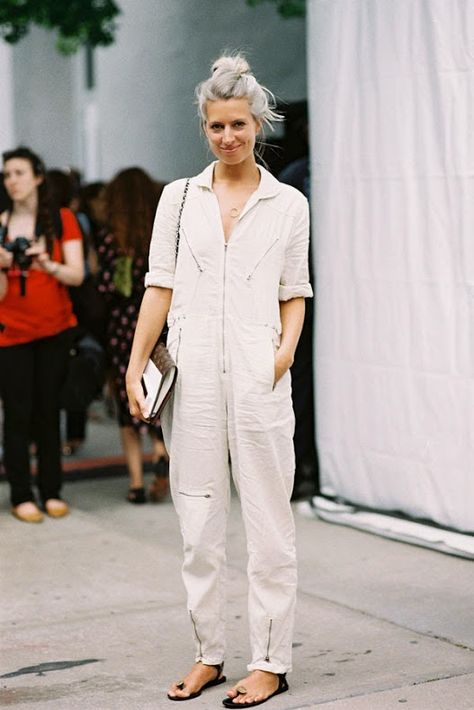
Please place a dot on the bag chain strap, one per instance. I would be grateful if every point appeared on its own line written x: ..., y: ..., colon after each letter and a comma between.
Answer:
x: 186, y: 187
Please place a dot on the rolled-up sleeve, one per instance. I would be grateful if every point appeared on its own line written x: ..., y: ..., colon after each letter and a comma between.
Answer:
x: 294, y: 281
x: 162, y: 256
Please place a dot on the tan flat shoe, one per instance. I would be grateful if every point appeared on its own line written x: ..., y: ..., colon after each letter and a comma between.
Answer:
x: 28, y: 512
x: 56, y: 508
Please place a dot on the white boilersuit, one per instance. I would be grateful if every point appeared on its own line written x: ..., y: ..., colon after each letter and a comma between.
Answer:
x: 226, y: 414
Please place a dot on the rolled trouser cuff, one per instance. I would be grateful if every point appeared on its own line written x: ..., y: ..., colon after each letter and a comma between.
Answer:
x: 208, y: 661
x: 270, y: 667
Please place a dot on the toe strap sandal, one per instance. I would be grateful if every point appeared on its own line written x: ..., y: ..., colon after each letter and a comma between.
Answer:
x: 282, y: 688
x: 220, y: 678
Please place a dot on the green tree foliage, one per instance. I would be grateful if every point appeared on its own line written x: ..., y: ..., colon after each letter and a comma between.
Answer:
x: 286, y: 8
x: 77, y: 22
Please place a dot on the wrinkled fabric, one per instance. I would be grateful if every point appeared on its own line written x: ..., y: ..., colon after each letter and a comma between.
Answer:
x: 392, y: 86
x: 226, y: 415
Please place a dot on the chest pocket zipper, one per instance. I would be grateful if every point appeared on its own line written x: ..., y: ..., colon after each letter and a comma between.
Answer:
x: 191, y: 252
x: 261, y: 259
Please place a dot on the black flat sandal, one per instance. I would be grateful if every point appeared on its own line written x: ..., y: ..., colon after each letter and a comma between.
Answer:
x: 210, y: 684
x: 136, y: 495
x: 282, y: 688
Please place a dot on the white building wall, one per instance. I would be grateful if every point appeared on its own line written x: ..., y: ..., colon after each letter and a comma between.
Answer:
x: 141, y: 110
x: 43, y: 96
x: 145, y: 82
x: 7, y: 135
x: 393, y: 157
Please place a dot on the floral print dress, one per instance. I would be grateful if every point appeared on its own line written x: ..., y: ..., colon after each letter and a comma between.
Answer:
x: 121, y: 282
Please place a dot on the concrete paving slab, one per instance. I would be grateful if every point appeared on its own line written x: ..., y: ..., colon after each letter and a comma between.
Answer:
x: 419, y: 589
x: 134, y: 653
x: 93, y: 613
x: 445, y: 694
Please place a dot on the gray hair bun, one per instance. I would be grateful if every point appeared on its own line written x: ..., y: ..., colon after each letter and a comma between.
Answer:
x: 237, y: 65
x: 231, y: 78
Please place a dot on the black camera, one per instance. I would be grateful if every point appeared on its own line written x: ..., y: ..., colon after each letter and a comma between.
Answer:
x: 18, y: 248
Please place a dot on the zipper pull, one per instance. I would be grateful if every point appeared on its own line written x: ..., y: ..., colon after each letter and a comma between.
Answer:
x: 267, y: 657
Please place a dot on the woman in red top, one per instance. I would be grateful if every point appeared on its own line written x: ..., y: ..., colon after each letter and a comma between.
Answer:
x: 41, y: 254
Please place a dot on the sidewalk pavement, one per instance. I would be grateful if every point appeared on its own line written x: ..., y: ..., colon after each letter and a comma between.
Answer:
x: 93, y: 613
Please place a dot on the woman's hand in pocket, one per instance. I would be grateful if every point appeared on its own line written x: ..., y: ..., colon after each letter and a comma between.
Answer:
x: 283, y: 362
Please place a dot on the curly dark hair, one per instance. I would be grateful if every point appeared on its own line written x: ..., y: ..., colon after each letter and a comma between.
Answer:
x: 44, y: 216
x: 130, y: 202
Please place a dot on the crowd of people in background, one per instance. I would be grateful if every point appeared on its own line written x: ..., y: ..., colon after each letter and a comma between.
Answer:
x: 40, y: 258
x: 83, y: 272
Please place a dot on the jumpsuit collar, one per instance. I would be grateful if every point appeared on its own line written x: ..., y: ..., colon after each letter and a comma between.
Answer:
x: 268, y: 187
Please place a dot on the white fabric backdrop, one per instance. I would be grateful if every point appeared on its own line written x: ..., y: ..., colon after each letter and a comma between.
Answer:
x: 392, y: 119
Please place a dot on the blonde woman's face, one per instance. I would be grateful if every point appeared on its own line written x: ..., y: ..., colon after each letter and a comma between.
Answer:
x: 231, y: 130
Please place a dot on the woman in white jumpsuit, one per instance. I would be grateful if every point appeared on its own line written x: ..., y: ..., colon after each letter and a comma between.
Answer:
x: 234, y: 301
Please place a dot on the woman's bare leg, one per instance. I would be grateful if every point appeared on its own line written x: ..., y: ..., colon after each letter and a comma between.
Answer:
x: 159, y: 449
x: 132, y: 448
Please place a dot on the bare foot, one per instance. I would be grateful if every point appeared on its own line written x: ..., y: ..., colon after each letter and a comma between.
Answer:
x: 258, y: 686
x: 199, y: 675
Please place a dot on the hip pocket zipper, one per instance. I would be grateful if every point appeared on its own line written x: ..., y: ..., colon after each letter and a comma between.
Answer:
x: 178, y: 346
x: 194, y: 495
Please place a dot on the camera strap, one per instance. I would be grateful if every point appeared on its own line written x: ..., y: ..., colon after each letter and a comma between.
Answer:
x: 58, y: 227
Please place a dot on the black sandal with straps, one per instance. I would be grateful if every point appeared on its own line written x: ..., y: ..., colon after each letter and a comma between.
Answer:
x: 282, y: 688
x: 210, y: 684
x: 136, y: 495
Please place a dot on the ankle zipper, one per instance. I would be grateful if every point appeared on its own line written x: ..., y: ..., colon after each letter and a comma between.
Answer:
x: 196, y: 633
x: 267, y: 657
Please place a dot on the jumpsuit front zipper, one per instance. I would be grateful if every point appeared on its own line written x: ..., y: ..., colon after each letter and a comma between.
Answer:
x: 267, y: 657
x: 223, y: 308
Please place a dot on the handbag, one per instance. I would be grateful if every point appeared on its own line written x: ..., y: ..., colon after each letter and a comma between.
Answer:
x: 160, y: 374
